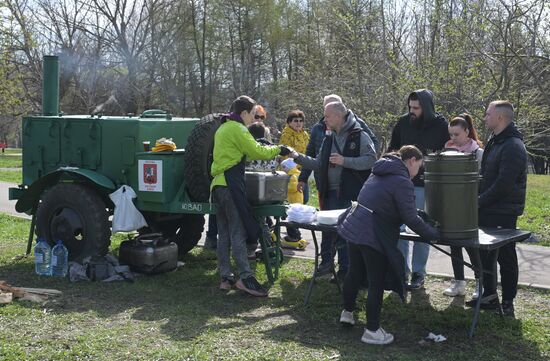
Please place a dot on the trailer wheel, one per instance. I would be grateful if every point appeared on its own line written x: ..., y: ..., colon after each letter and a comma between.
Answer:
x: 198, y: 158
x: 75, y: 214
x: 185, y: 232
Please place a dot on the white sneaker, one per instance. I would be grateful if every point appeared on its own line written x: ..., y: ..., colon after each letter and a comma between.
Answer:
x: 347, y: 318
x: 380, y: 337
x: 457, y: 288
x: 475, y: 295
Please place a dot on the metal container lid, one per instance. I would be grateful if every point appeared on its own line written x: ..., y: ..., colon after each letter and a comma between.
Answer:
x: 451, y: 154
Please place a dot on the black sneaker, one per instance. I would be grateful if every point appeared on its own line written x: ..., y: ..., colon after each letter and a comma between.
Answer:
x: 489, y: 302
x: 227, y: 283
x: 251, y: 254
x: 417, y: 281
x: 324, y: 269
x: 508, y: 308
x: 251, y: 286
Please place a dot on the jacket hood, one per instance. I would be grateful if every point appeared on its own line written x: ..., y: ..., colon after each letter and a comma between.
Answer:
x: 511, y: 131
x: 390, y: 165
x: 349, y: 124
x: 426, y: 99
x: 231, y: 116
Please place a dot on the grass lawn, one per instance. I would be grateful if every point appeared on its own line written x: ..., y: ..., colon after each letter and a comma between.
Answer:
x: 10, y: 161
x: 536, y: 217
x: 183, y: 316
x: 11, y: 176
x: 12, y: 151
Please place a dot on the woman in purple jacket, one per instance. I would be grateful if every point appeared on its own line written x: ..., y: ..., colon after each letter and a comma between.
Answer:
x: 372, y: 229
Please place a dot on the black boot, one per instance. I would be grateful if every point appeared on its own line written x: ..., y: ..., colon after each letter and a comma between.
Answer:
x: 508, y: 308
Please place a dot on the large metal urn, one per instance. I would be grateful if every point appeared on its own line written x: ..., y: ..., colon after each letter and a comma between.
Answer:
x: 451, y: 184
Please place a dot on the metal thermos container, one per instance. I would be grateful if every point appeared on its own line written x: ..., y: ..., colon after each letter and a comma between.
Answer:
x: 451, y: 184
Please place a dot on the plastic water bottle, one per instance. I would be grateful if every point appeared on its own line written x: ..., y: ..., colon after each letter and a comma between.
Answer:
x: 60, y: 260
x: 42, y: 255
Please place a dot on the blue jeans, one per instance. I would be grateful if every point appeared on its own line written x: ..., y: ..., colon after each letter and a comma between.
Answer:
x: 330, y: 238
x: 420, y: 251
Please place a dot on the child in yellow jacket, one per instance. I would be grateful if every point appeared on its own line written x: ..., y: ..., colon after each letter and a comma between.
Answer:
x: 293, y: 239
x: 291, y: 168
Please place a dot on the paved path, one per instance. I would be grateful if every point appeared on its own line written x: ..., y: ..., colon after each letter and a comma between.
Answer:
x: 534, y: 261
x: 7, y: 206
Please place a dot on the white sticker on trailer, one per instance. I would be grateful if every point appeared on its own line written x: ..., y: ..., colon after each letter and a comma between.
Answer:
x: 150, y: 175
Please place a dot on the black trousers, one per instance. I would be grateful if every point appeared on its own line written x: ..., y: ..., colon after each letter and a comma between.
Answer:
x: 456, y: 260
x: 366, y: 263
x: 507, y: 259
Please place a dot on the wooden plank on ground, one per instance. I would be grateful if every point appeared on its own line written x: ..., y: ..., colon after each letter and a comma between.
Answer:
x: 41, y: 291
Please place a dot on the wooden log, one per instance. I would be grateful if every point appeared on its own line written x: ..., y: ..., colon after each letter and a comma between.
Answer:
x: 34, y: 297
x: 6, y: 297
x: 17, y: 293
x: 41, y: 291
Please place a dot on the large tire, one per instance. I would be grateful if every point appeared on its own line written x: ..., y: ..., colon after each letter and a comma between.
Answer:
x: 198, y: 158
x: 189, y: 233
x: 75, y: 214
x: 185, y: 231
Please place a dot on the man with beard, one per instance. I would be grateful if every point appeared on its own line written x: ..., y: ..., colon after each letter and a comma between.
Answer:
x: 428, y: 131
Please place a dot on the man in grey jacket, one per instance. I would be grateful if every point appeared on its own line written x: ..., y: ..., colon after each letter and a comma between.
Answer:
x: 343, y: 163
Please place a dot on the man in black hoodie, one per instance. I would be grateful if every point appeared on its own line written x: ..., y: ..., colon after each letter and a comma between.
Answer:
x: 502, y: 199
x: 428, y: 131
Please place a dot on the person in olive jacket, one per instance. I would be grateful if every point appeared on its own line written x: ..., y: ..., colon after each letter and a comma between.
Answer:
x: 371, y: 228
x: 428, y: 130
x: 501, y: 200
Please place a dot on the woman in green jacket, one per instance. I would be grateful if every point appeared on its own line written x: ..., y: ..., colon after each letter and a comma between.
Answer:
x: 233, y: 144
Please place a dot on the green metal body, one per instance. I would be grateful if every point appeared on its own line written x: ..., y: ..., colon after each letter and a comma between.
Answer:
x: 111, y: 148
x: 451, y: 185
x: 108, y: 152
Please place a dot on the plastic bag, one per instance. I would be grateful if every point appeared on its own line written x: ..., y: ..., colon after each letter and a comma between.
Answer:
x: 301, y: 213
x: 126, y: 217
x: 329, y: 217
x: 164, y: 144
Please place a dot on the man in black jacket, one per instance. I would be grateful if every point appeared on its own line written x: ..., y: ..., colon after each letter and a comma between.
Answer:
x: 502, y: 199
x: 428, y: 131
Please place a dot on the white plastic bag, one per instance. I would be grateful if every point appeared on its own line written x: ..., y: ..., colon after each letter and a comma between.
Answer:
x: 301, y: 213
x: 126, y: 217
x: 329, y: 217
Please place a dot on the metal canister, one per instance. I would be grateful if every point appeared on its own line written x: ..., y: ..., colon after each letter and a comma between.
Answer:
x: 451, y: 184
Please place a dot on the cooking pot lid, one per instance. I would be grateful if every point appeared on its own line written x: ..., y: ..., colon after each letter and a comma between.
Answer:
x: 452, y: 153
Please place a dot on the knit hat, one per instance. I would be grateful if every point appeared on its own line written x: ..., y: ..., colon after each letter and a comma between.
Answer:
x: 288, y: 164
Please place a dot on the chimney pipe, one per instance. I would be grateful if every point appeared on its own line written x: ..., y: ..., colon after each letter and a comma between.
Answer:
x: 50, y: 85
